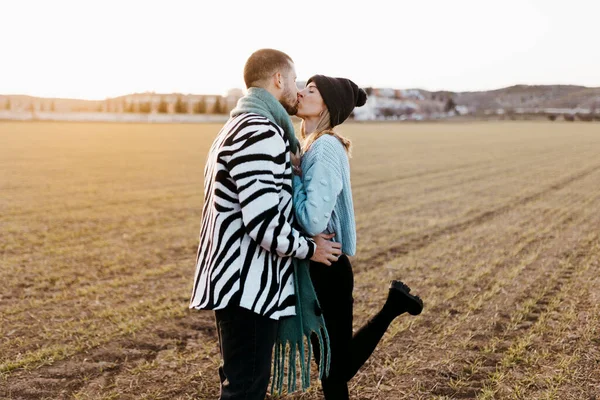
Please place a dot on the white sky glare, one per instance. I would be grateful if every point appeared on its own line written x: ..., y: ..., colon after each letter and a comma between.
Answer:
x: 98, y: 49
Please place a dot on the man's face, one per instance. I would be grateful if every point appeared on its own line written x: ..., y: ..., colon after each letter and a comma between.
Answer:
x: 289, y: 97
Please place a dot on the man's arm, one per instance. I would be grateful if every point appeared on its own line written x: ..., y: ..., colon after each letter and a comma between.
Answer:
x: 257, y: 167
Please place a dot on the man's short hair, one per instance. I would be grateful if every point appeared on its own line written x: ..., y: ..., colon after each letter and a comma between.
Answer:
x: 263, y: 63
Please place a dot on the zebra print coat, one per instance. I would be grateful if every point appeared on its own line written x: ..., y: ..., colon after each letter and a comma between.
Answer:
x: 248, y: 235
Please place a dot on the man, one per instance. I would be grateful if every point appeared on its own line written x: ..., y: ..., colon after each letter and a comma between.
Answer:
x: 247, y: 239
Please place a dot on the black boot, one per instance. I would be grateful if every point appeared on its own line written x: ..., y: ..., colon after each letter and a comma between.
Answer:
x: 400, y: 300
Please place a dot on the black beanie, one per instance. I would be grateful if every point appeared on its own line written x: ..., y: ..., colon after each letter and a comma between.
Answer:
x: 340, y: 95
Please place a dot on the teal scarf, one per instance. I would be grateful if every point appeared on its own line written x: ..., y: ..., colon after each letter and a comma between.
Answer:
x: 292, y: 330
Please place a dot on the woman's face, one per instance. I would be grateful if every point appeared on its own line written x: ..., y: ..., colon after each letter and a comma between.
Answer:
x: 310, y: 102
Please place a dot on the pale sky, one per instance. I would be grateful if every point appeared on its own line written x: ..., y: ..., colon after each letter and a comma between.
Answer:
x: 98, y: 49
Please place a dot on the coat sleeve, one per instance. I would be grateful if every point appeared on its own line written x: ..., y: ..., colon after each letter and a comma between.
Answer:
x: 257, y: 167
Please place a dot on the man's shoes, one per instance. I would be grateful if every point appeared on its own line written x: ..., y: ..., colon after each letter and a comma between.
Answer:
x: 400, y: 299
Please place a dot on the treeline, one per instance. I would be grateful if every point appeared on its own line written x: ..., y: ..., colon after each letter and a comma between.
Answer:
x: 179, y: 107
x: 31, y: 107
x: 577, y: 116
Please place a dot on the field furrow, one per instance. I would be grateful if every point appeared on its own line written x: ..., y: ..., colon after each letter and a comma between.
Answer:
x: 494, y: 225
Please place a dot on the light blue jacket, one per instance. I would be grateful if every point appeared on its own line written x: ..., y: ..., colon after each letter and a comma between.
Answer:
x: 323, y: 203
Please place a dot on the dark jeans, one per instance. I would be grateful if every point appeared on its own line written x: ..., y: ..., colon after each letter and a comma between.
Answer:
x: 333, y: 285
x: 246, y: 341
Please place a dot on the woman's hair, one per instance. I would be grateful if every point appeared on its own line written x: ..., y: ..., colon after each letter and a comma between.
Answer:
x: 323, y: 128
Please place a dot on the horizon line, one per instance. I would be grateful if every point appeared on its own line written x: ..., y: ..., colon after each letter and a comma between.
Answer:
x: 244, y: 89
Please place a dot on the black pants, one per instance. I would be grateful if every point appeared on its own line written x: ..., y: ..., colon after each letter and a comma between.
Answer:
x: 246, y: 341
x: 333, y: 285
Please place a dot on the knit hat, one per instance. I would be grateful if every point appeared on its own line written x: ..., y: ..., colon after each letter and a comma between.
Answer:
x: 340, y: 95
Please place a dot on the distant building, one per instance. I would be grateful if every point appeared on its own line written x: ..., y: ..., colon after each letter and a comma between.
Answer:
x: 388, y: 103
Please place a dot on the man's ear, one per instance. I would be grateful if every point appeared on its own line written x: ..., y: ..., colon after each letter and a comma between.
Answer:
x: 278, y: 80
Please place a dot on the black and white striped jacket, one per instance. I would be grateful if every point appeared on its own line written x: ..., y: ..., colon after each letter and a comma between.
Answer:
x: 248, y: 235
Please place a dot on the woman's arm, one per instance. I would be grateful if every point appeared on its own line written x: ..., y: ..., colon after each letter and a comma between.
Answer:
x: 315, y: 198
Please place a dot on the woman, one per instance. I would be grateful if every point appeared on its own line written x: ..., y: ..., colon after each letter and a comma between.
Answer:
x: 323, y: 203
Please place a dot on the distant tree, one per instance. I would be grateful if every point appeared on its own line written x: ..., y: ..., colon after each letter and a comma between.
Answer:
x: 585, y: 117
x: 569, y: 117
x: 99, y: 108
x: 552, y: 117
x: 131, y: 108
x: 52, y: 106
x: 224, y: 106
x: 41, y: 106
x: 510, y: 113
x: 388, y: 112
x: 428, y: 108
x: 180, y: 106
x: 31, y: 107
x: 108, y: 106
x: 145, y: 107
x: 218, y: 107
x: 200, y: 106
x: 163, y: 107
x: 7, y: 106
x: 450, y: 105
x: 123, y: 106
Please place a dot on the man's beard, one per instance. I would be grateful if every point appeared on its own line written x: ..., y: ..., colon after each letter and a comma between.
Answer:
x: 289, y: 102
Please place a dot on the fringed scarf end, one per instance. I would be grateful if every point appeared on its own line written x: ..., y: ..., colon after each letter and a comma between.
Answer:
x: 292, y: 352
